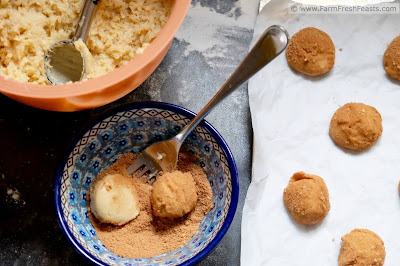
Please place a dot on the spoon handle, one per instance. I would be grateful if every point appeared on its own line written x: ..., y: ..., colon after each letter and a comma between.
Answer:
x: 273, y: 41
x: 85, y: 20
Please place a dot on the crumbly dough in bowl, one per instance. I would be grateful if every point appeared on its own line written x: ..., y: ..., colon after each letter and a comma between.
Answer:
x: 121, y: 29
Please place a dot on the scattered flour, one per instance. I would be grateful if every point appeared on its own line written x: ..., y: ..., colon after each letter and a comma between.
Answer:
x: 204, y: 35
x: 217, y: 38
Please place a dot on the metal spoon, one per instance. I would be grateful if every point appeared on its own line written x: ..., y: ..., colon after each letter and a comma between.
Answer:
x: 163, y: 156
x: 63, y: 62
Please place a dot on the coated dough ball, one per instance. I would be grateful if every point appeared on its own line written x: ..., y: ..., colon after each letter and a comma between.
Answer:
x: 311, y: 51
x: 114, y: 199
x: 356, y: 126
x: 362, y: 247
x: 391, y: 59
x: 307, y: 198
x: 173, y: 195
x: 399, y: 187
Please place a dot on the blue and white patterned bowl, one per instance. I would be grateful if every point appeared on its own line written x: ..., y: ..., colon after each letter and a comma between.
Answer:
x: 130, y: 129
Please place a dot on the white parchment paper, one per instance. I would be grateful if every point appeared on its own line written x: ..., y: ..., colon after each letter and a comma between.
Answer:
x: 291, y: 115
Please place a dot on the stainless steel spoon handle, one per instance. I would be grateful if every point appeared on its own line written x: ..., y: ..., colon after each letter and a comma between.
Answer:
x: 273, y: 41
x: 85, y: 20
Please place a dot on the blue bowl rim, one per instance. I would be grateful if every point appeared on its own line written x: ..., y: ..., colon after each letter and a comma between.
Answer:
x: 141, y: 105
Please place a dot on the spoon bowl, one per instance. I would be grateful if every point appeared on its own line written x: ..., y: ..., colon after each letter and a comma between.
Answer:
x: 64, y: 63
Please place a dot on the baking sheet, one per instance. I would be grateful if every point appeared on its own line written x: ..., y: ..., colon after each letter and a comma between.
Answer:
x: 291, y: 115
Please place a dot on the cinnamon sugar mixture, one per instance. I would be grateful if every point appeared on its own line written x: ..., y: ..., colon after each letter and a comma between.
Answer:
x: 146, y: 235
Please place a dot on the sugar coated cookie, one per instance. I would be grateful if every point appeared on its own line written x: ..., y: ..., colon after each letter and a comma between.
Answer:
x: 362, y: 247
x: 391, y: 59
x: 356, y: 126
x: 311, y: 51
x: 307, y: 198
x: 174, y: 195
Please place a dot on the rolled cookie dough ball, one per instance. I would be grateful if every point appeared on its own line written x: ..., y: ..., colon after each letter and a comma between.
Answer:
x: 391, y: 59
x: 362, y: 247
x: 311, y: 51
x: 356, y: 126
x: 114, y: 199
x: 173, y: 195
x: 307, y: 198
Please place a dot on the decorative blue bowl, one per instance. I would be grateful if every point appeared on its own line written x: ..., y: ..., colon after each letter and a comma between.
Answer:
x: 130, y: 129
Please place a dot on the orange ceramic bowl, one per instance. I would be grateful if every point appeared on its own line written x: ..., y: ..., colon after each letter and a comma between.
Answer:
x: 105, y: 89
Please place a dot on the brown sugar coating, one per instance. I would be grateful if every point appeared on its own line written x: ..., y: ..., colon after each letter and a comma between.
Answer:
x: 311, y: 51
x: 307, y: 198
x: 356, y: 126
x: 362, y: 247
x: 146, y: 235
x: 391, y: 59
x: 174, y: 195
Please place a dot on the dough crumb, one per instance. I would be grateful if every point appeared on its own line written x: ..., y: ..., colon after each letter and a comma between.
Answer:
x: 14, y: 194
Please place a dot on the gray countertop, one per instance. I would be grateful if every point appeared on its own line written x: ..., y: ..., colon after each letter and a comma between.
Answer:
x: 212, y: 41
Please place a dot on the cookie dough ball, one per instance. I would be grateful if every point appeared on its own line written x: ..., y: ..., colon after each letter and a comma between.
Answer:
x: 307, y: 198
x: 391, y: 59
x: 311, y: 52
x: 356, y: 126
x: 114, y: 199
x: 362, y: 247
x: 173, y: 195
x: 399, y: 188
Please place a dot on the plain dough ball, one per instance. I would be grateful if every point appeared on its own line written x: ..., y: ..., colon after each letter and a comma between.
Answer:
x: 391, y: 59
x: 173, y: 195
x: 311, y: 52
x: 362, y: 247
x: 307, y: 198
x: 114, y: 199
x: 356, y: 126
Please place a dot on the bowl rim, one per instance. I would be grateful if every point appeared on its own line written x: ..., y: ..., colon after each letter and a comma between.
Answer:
x: 141, y: 105
x: 163, y: 39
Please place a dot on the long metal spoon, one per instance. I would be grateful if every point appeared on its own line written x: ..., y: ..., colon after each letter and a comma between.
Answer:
x: 163, y: 156
x: 63, y: 62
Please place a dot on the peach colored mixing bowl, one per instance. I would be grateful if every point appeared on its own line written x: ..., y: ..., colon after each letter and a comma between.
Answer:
x: 105, y: 89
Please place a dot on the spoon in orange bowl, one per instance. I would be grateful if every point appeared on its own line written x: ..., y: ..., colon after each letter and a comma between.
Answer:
x: 163, y: 156
x: 63, y: 62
